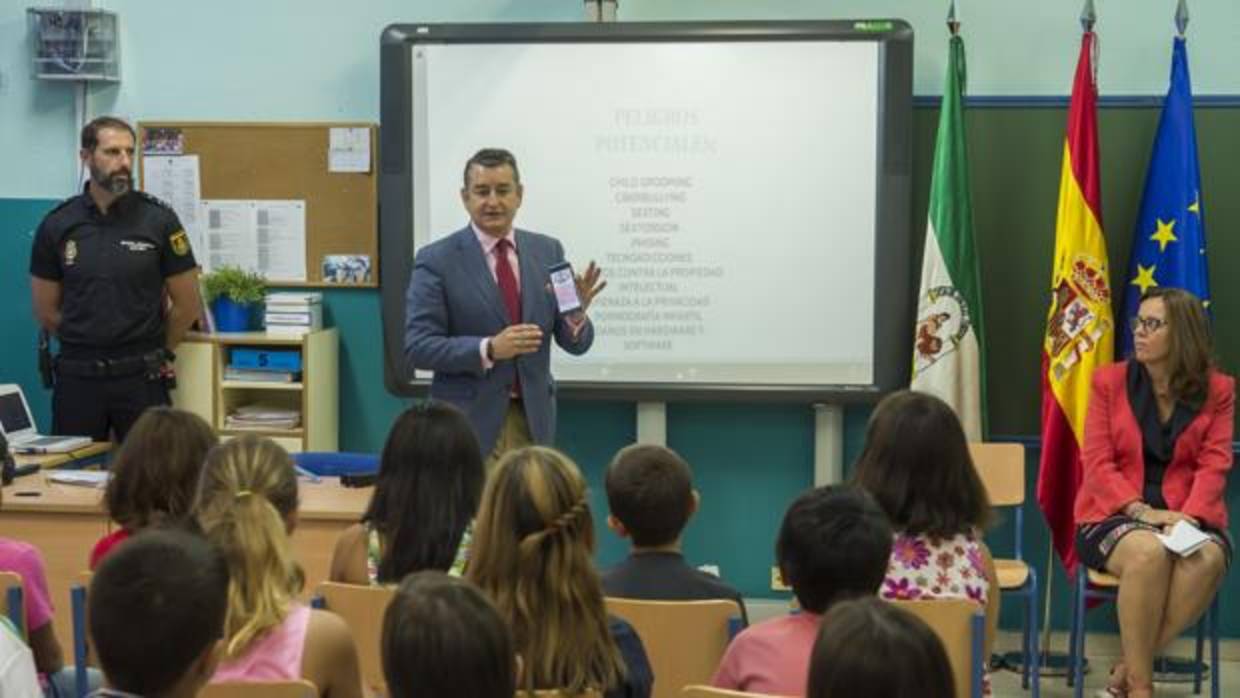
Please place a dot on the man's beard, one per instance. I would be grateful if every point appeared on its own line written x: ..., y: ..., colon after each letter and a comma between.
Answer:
x: 117, y: 184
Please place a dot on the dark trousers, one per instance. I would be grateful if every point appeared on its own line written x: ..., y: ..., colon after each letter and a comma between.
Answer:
x: 93, y: 406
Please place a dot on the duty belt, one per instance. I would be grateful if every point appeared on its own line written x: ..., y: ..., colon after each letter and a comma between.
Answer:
x: 109, y: 368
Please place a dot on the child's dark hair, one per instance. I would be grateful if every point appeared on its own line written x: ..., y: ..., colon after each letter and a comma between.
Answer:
x: 916, y: 464
x: 868, y: 647
x: 834, y: 544
x: 442, y: 637
x: 650, y: 491
x: 156, y: 471
x: 157, y: 603
x: 430, y: 481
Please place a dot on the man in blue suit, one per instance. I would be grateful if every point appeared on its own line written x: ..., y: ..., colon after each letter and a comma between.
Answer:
x: 480, y: 311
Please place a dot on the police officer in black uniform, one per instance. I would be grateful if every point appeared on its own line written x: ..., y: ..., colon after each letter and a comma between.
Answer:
x: 113, y: 277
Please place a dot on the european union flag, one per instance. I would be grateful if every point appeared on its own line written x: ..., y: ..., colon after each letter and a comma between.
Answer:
x: 1169, y: 248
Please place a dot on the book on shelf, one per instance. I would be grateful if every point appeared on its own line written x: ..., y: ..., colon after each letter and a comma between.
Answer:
x: 261, y: 375
x: 263, y: 417
x: 292, y: 298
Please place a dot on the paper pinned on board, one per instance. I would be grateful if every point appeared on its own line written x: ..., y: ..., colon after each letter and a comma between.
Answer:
x: 175, y: 179
x: 281, y: 239
x: 348, y: 149
x: 263, y: 236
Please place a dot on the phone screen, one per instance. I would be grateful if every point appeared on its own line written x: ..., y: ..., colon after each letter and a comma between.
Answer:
x: 565, y: 287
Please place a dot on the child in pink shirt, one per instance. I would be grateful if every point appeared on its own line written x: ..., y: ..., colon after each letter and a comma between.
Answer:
x: 833, y: 545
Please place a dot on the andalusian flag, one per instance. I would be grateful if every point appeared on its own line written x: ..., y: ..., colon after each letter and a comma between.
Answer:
x: 947, y: 344
x: 1079, y: 327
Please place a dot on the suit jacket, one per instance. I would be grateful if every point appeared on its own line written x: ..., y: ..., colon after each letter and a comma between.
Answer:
x: 1113, y: 457
x: 453, y: 302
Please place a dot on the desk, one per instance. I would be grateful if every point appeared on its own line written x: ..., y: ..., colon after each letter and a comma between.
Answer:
x: 64, y: 521
x: 56, y: 460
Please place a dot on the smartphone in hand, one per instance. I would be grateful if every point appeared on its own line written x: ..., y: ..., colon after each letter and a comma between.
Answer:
x: 564, y: 285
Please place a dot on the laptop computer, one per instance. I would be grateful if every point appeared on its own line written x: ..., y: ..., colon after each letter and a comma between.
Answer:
x: 19, y: 429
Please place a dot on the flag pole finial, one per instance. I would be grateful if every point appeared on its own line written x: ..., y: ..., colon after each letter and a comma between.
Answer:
x: 1088, y: 16
x: 1181, y: 17
x: 953, y: 24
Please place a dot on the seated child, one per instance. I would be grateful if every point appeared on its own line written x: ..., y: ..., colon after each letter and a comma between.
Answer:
x: 247, y: 506
x: 423, y: 505
x: 651, y: 496
x: 833, y: 545
x: 442, y: 637
x: 26, y: 561
x: 156, y: 614
x: 17, y: 674
x: 533, y: 556
x: 154, y: 474
x: 869, y: 647
x: 916, y: 464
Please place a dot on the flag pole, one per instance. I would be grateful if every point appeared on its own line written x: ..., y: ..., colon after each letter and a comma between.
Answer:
x: 1181, y: 17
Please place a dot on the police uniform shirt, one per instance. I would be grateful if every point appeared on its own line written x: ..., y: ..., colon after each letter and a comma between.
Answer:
x: 111, y: 268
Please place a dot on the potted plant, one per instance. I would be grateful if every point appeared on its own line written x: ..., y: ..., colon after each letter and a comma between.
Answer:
x: 233, y: 295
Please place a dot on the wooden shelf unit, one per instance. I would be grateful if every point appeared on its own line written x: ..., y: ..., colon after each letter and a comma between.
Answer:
x: 202, y: 358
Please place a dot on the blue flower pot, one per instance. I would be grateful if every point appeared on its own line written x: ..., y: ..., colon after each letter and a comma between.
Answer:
x: 231, y: 316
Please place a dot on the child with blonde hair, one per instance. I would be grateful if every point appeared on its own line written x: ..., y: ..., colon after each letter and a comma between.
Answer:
x: 247, y: 506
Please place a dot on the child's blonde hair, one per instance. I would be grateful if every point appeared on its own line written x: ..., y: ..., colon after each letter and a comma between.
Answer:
x: 248, y: 493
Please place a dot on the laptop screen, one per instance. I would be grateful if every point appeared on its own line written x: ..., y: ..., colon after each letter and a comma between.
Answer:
x: 13, y: 415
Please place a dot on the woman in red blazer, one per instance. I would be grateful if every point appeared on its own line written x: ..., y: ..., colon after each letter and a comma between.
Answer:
x: 1157, y: 450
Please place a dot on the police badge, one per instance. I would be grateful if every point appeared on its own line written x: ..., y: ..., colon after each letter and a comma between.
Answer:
x: 180, y: 243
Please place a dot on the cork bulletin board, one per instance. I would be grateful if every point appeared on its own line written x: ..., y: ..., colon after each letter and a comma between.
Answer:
x: 286, y: 161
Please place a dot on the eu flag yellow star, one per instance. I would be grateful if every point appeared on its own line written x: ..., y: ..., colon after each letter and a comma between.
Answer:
x: 1164, y: 235
x: 1145, y: 277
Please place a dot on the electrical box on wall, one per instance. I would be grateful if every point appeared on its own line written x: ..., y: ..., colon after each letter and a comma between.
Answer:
x: 75, y: 44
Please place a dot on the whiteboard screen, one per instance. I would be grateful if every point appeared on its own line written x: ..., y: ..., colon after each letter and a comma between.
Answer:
x: 731, y: 191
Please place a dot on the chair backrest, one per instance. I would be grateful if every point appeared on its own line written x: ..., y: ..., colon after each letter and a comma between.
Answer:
x: 961, y: 625
x: 704, y: 691
x: 362, y: 609
x: 260, y: 689
x: 11, y: 600
x: 683, y: 639
x: 1001, y: 466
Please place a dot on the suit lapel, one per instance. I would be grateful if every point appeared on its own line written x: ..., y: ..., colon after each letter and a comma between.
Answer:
x: 477, y: 269
x: 531, y: 277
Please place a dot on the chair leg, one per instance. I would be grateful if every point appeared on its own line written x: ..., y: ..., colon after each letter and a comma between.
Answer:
x: 1078, y: 667
x: 1034, y: 666
x: 1198, y: 654
x: 1215, y: 667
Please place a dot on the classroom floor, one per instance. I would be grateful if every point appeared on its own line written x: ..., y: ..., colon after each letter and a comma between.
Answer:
x: 1103, y: 652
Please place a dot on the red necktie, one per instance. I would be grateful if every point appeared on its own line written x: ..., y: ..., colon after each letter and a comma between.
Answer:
x: 508, y: 290
x: 507, y: 281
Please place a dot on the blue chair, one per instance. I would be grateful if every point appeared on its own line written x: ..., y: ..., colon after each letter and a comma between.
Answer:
x: 333, y: 464
x: 961, y: 625
x: 15, y: 606
x: 77, y: 601
x: 1001, y: 467
x: 1091, y: 585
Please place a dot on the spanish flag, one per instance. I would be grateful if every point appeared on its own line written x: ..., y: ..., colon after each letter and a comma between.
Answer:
x: 1080, y: 330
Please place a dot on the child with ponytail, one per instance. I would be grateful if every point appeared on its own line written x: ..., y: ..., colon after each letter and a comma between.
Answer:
x: 247, y: 506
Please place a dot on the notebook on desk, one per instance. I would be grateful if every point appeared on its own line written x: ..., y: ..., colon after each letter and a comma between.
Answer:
x: 18, y: 425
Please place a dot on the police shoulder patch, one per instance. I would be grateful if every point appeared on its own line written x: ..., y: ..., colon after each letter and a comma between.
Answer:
x: 180, y: 243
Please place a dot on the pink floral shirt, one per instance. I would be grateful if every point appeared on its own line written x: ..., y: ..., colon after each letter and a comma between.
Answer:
x: 925, y: 568
x: 922, y: 567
